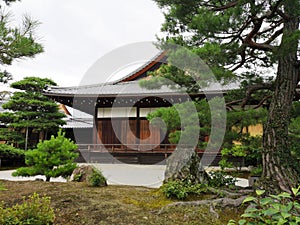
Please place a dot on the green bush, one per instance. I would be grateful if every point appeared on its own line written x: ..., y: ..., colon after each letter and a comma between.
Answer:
x: 181, y: 189
x: 175, y: 189
x: 219, y: 179
x: 274, y: 209
x: 96, y: 179
x: 34, y: 210
x: 235, y: 151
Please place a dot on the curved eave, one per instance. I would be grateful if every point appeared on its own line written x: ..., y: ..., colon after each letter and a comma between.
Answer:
x: 158, y: 59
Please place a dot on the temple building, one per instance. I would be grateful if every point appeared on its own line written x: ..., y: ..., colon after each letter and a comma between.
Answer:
x: 119, y: 110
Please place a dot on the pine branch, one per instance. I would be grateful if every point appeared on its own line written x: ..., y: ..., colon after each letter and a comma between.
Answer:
x: 262, y: 101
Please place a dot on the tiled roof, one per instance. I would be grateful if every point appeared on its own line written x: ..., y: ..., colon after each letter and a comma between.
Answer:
x: 108, y: 89
x: 126, y: 86
x: 76, y: 118
x: 131, y: 88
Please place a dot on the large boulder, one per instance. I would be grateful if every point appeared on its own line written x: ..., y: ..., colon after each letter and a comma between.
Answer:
x: 86, y: 173
x: 183, y: 164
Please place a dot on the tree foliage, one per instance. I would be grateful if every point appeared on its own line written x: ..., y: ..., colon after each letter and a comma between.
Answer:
x: 229, y: 34
x: 30, y: 108
x: 52, y: 158
x: 16, y: 42
x: 12, y: 137
x: 184, y: 127
x: 9, y: 152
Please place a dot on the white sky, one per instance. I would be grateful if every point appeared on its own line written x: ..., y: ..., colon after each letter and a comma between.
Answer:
x: 76, y: 33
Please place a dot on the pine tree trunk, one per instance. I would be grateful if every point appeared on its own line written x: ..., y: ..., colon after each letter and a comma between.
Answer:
x: 280, y: 170
x: 184, y: 164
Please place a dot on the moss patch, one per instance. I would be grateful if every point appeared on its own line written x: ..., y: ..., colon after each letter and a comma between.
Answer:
x: 76, y: 203
x: 151, y: 200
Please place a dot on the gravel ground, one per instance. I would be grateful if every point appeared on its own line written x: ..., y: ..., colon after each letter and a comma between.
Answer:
x: 120, y: 174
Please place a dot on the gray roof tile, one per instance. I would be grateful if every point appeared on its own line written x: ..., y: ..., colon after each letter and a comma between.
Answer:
x: 131, y: 88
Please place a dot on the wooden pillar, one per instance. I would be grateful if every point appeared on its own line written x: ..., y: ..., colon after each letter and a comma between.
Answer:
x: 138, y: 125
x: 95, y: 125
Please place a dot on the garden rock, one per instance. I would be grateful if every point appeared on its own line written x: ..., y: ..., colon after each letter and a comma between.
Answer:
x: 83, y: 173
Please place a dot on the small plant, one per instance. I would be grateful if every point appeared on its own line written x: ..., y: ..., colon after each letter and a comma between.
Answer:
x: 274, y: 209
x: 235, y: 151
x: 96, y: 179
x: 256, y: 171
x: 181, y: 189
x: 34, y: 210
x: 219, y: 179
x: 175, y: 189
x: 77, y: 177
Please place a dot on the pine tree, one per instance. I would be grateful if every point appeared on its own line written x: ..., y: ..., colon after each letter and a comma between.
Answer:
x: 52, y: 158
x: 250, y: 34
x: 31, y: 110
x: 16, y: 42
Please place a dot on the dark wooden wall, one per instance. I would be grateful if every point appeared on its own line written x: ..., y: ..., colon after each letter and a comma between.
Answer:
x: 132, y: 132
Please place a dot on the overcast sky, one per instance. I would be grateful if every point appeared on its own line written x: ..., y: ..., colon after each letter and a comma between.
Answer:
x: 76, y: 33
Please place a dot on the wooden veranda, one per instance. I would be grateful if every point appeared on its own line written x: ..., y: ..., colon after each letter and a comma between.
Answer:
x: 134, y: 153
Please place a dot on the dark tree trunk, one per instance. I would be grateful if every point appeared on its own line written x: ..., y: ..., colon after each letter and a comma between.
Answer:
x: 184, y: 164
x: 280, y: 170
x: 48, y: 179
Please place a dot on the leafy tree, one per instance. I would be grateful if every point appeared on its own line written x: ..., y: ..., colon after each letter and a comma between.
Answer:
x: 52, y: 158
x: 31, y: 109
x: 248, y: 34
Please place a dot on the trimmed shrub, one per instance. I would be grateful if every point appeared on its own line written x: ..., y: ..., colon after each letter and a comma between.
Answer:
x: 52, y: 158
